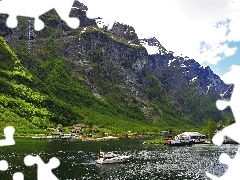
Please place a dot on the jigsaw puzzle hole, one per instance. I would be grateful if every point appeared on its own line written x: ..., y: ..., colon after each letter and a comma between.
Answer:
x: 12, y: 22
x: 3, y: 165
x: 18, y: 176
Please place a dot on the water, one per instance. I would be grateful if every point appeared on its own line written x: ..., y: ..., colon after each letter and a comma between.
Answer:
x: 148, y: 161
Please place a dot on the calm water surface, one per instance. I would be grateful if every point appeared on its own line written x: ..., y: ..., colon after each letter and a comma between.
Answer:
x: 148, y: 161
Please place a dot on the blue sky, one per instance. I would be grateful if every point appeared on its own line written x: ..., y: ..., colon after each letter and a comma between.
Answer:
x: 205, y: 30
x: 225, y: 65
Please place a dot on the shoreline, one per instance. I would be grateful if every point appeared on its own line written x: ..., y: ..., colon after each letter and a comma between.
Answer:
x: 114, y: 138
x: 80, y: 138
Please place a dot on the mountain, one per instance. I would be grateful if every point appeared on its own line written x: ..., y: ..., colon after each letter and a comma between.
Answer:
x: 106, y: 77
x: 207, y: 81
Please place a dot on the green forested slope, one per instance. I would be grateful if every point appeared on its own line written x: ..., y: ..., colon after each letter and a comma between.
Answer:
x: 50, y: 94
x: 19, y: 105
x: 45, y: 88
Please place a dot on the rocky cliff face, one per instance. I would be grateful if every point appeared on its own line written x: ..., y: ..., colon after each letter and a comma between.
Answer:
x: 117, y: 57
x: 189, y: 71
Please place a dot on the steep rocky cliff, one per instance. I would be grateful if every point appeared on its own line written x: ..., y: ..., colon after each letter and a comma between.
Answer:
x: 207, y: 82
x: 125, y: 81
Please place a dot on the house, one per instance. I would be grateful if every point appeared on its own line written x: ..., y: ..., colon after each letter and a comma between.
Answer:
x: 66, y: 136
x: 74, y: 135
x: 57, y: 134
x: 76, y: 130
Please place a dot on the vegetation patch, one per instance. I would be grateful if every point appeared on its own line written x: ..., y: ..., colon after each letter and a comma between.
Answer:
x: 155, y: 141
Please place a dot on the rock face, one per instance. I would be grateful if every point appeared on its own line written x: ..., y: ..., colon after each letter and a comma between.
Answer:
x: 118, y: 57
x: 125, y: 32
x: 190, y: 72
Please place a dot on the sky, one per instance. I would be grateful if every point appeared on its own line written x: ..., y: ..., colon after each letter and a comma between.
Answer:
x: 205, y: 30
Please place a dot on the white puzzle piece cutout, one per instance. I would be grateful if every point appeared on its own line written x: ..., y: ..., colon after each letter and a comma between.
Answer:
x: 232, y: 131
x: 18, y: 176
x: 8, y: 141
x: 3, y: 165
x: 44, y: 170
x: 36, y: 8
x: 8, y: 133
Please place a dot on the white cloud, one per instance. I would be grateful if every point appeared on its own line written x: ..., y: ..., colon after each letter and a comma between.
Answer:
x: 215, y: 52
x: 232, y: 75
x: 234, y: 29
x: 180, y: 26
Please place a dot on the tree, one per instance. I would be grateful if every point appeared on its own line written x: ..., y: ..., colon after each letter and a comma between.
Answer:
x: 220, y: 124
x: 229, y: 122
x: 59, y: 126
x: 86, y: 131
x: 66, y: 130
x: 210, y: 127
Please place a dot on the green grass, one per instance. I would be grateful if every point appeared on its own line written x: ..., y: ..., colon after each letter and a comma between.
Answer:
x: 155, y: 141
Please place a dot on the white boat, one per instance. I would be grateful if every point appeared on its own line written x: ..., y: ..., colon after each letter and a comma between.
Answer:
x: 196, y: 137
x: 180, y: 140
x: 110, y: 157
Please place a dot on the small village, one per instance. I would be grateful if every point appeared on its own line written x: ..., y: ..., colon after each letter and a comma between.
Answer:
x: 87, y: 133
x: 93, y: 133
x: 79, y: 131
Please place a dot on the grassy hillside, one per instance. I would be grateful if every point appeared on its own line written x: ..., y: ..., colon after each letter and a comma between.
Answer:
x: 46, y: 88
x: 19, y: 105
x: 52, y: 94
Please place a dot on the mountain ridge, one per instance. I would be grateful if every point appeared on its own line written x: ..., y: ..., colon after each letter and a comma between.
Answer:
x: 107, y: 77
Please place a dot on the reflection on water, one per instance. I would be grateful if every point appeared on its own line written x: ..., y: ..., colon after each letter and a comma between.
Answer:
x: 147, y: 162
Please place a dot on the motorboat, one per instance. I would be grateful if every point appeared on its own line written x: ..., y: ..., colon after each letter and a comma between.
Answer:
x: 180, y: 140
x: 196, y: 137
x: 227, y: 140
x: 110, y: 157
